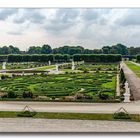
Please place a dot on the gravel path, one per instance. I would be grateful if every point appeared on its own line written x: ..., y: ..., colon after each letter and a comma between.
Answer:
x: 56, y: 125
x: 133, y: 81
x: 133, y: 107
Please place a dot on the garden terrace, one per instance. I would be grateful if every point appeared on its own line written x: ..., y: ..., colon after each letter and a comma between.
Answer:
x: 81, y: 86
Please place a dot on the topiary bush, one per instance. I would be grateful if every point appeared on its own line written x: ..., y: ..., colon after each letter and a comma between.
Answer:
x: 11, y: 94
x: 121, y: 115
x: 27, y: 94
x: 103, y: 96
x: 26, y: 114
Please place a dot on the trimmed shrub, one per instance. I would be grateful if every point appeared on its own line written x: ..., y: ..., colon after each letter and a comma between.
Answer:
x: 11, y: 94
x: 121, y: 115
x: 103, y: 96
x: 27, y: 94
x: 26, y: 114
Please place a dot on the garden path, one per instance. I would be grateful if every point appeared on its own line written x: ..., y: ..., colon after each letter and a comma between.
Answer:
x: 133, y: 80
x: 60, y: 125
x: 71, y: 107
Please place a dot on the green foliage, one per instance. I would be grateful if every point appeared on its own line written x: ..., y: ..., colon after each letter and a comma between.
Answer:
x: 103, y: 96
x: 138, y: 58
x: 115, y: 49
x: 97, y: 58
x: 122, y: 77
x: 26, y: 114
x: 59, y: 85
x: 4, y: 76
x: 71, y: 50
x: 11, y: 94
x: 121, y: 115
x: 27, y: 94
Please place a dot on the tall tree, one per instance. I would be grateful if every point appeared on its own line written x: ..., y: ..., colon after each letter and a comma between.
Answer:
x: 46, y: 49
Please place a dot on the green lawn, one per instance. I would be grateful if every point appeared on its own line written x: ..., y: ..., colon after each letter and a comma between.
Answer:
x: 46, y: 67
x: 78, y: 116
x: 133, y: 67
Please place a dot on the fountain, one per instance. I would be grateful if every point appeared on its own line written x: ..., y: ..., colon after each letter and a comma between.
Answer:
x: 127, y: 93
x: 73, y: 66
x: 4, y: 65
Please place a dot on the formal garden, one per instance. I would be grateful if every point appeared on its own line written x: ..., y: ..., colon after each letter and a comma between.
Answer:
x: 87, y: 82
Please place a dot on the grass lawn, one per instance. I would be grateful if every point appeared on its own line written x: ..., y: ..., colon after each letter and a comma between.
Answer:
x: 78, y: 116
x: 133, y: 67
x: 46, y: 67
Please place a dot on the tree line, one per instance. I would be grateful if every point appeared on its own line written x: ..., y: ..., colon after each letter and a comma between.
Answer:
x: 56, y: 58
x: 71, y: 50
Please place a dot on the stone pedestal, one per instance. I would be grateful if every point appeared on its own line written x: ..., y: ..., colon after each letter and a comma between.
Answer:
x: 126, y: 98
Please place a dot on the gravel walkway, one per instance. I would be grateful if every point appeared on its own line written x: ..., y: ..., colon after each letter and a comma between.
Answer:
x: 133, y: 107
x: 133, y: 80
x: 55, y: 125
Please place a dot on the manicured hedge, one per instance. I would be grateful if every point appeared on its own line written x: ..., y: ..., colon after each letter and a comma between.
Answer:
x: 61, y: 58
x: 97, y: 58
x: 138, y: 58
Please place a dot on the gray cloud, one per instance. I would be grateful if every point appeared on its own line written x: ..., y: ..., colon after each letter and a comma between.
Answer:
x: 63, y: 20
x: 90, y: 14
x: 15, y: 32
x: 132, y: 17
x: 89, y: 26
x: 32, y: 15
x: 5, y: 13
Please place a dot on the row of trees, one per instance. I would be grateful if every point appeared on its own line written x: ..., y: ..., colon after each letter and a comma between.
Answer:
x: 9, y: 50
x: 71, y: 50
x: 61, y: 58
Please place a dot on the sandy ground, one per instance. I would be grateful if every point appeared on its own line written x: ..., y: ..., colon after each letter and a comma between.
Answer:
x: 57, y: 125
x: 133, y: 107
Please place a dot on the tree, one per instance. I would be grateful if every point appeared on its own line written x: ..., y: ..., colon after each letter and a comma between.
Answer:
x: 106, y: 50
x: 34, y: 50
x: 46, y: 49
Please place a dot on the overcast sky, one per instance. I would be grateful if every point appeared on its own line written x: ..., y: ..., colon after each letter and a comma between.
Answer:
x: 90, y: 28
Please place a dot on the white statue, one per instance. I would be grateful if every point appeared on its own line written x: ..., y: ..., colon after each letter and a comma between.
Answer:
x: 4, y: 65
x: 120, y: 66
x: 49, y: 63
x: 73, y: 66
x: 127, y: 93
x: 56, y: 67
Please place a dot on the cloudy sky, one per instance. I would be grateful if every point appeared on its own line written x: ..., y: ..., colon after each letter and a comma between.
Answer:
x: 91, y: 28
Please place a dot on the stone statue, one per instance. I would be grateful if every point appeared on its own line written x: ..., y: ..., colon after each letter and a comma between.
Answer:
x: 56, y: 67
x: 49, y: 63
x: 4, y: 65
x: 73, y: 66
x: 127, y: 93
